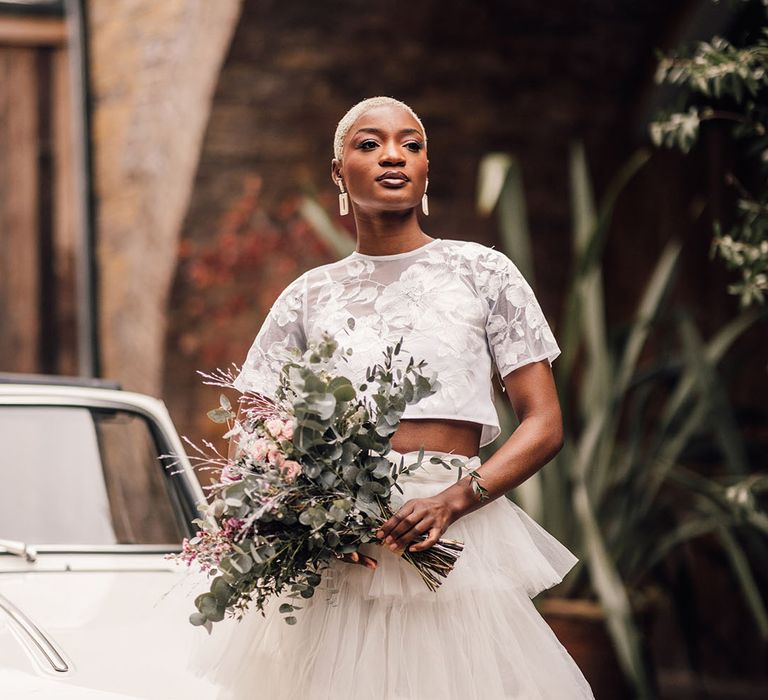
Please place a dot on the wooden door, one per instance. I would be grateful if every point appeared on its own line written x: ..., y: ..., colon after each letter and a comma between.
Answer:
x: 38, y: 212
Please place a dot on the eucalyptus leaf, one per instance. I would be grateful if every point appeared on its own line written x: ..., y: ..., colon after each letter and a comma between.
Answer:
x: 219, y: 415
x: 198, y: 619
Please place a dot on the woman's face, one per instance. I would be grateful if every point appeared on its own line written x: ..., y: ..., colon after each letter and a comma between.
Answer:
x: 385, y: 139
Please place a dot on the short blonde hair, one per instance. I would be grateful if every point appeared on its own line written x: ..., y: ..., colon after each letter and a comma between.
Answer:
x: 361, y: 107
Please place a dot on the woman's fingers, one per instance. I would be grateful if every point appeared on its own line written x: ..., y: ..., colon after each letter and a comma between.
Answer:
x: 412, y: 520
x: 405, y: 526
x: 399, y: 545
x: 385, y: 529
x: 434, y: 536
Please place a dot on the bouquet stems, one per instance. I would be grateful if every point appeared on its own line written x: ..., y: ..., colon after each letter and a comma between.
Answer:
x: 433, y: 563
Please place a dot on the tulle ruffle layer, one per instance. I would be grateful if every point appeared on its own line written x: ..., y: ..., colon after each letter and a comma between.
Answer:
x: 383, y: 635
x: 504, y: 548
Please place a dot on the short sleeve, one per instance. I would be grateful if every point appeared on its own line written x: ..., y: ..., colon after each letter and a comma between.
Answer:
x: 517, y: 331
x: 281, y: 334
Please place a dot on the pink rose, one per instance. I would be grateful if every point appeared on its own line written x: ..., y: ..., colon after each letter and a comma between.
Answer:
x: 259, y: 449
x: 290, y: 470
x: 287, y: 429
x: 275, y: 456
x: 274, y: 426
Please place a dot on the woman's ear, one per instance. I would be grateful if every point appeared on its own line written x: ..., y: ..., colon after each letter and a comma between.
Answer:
x: 335, y: 171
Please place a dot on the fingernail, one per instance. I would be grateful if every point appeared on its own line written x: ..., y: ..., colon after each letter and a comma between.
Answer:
x: 389, y: 540
x: 393, y: 547
x: 380, y: 534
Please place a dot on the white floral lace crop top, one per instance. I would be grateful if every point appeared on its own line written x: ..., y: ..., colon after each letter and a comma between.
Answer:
x: 461, y: 306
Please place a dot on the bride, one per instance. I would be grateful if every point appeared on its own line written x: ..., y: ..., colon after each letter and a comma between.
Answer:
x: 373, y: 630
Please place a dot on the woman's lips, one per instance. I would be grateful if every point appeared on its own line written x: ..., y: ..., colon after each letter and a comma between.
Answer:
x: 393, y: 178
x: 393, y: 182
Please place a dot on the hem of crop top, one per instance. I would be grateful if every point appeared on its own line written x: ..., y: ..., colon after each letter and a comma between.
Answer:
x: 394, y: 256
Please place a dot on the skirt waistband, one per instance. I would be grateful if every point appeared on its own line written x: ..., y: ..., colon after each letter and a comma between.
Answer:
x: 427, y: 472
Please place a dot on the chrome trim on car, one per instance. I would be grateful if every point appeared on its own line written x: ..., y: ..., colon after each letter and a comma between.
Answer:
x: 38, y: 638
x: 104, y: 548
x: 19, y: 549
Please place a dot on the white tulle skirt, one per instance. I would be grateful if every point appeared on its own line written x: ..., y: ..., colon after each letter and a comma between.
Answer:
x: 383, y: 635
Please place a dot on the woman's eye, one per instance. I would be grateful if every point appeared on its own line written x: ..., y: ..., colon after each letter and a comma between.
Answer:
x: 417, y: 145
x: 367, y: 141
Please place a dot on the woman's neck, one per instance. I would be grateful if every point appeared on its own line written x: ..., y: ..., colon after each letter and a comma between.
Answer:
x: 388, y: 233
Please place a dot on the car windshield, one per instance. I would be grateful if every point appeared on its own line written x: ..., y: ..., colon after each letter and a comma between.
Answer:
x: 86, y: 476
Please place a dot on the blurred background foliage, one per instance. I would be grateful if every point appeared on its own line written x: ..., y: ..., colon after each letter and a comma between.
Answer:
x: 637, y: 401
x: 728, y: 83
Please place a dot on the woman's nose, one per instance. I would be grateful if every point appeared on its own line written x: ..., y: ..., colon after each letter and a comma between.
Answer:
x: 392, y: 155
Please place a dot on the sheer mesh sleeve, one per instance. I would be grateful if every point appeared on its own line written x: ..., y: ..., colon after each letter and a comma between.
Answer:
x: 279, y: 336
x: 517, y: 331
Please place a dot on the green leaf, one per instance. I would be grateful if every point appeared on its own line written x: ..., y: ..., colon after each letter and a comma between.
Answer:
x: 322, y: 404
x: 198, y: 619
x: 613, y: 594
x: 207, y: 604
x: 221, y: 590
x: 219, y: 415
x: 242, y: 563
x: 345, y: 392
x: 217, y: 615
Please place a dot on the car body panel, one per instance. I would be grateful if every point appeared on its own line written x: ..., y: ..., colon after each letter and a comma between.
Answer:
x: 114, y: 617
x: 137, y: 647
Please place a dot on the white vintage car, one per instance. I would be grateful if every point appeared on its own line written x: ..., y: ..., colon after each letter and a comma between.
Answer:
x: 89, y: 509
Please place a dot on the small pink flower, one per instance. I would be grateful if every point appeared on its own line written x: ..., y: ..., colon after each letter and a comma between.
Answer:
x: 231, y: 526
x: 287, y: 429
x: 259, y: 449
x: 230, y: 474
x: 274, y: 426
x: 290, y: 469
x: 275, y: 456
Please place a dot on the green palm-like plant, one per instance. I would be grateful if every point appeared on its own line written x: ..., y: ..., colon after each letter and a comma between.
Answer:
x: 618, y: 493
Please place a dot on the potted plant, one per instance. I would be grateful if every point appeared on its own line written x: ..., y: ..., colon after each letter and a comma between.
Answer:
x: 619, y: 494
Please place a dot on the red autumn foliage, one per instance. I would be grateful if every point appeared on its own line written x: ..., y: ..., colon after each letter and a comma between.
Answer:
x: 227, y: 283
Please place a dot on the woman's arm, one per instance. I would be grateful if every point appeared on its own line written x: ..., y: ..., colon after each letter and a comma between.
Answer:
x: 539, y: 437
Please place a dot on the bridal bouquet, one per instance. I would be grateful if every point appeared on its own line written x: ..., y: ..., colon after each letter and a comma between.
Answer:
x: 309, y: 481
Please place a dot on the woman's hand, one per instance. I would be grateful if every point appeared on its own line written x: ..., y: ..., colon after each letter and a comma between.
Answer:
x: 415, y: 517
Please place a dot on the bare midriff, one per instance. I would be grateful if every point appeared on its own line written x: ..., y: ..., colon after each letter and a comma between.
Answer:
x: 457, y: 436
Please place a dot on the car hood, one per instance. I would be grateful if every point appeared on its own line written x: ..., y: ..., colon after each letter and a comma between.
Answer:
x: 120, y: 627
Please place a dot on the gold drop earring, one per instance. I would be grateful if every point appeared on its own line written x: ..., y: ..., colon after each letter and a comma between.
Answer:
x: 424, y: 202
x: 343, y: 199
